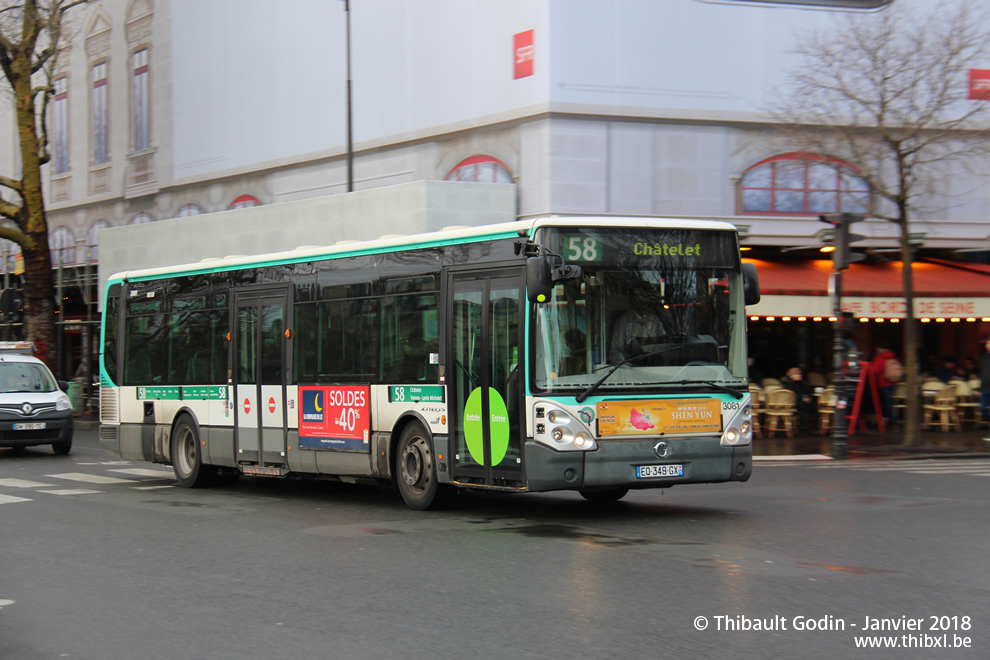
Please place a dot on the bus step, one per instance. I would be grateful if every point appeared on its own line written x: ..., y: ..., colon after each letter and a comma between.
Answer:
x: 259, y: 471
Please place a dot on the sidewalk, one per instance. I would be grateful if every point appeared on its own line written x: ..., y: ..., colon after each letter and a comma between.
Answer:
x: 872, y: 443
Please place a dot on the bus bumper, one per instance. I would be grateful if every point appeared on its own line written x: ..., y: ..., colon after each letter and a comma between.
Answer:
x: 613, y: 464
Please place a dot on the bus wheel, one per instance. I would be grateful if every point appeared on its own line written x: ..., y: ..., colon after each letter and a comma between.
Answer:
x: 187, y: 459
x: 609, y: 495
x: 416, y: 472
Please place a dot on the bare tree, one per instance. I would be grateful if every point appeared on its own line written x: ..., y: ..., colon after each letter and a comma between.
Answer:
x: 30, y: 35
x: 886, y: 92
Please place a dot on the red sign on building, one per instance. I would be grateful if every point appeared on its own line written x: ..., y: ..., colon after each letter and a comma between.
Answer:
x: 522, y: 54
x: 979, y: 84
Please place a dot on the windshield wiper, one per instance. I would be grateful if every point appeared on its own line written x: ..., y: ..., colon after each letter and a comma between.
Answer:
x: 721, y: 388
x: 635, y: 358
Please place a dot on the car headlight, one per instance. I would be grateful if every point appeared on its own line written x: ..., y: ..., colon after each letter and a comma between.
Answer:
x: 63, y: 403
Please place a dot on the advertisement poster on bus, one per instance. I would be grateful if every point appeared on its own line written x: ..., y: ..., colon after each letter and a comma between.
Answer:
x: 663, y: 416
x: 335, y: 417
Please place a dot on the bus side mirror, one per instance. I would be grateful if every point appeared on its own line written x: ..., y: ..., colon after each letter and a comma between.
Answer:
x: 751, y: 284
x: 539, y: 285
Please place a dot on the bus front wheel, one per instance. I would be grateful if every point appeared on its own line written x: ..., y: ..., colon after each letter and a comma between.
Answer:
x: 415, y: 471
x: 601, y: 496
x: 187, y: 456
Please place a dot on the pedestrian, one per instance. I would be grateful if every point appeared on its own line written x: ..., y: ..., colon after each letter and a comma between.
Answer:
x: 803, y: 407
x: 947, y: 370
x: 884, y: 365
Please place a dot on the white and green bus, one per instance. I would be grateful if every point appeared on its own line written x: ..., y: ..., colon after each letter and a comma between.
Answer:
x: 594, y: 354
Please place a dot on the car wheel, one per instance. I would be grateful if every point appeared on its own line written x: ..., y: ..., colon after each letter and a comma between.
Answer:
x: 62, y: 448
x: 187, y: 456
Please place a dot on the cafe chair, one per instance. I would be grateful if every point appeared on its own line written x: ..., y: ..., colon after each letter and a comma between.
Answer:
x: 900, y: 401
x: 815, y: 379
x: 967, y: 404
x: 826, y: 409
x: 944, y: 404
x: 757, y: 397
x: 780, y: 411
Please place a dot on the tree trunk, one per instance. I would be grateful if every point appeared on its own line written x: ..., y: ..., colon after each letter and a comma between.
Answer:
x: 912, y: 372
x: 39, y: 292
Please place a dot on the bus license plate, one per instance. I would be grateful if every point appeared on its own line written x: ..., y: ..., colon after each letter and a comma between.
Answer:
x: 648, y: 471
x: 29, y: 426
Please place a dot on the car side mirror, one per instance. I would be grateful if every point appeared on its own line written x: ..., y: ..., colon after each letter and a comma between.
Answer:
x: 64, y: 386
x: 751, y: 284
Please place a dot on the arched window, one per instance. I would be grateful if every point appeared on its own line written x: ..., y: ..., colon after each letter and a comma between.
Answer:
x: 93, y: 240
x: 244, y: 202
x: 482, y: 169
x: 141, y: 218
x: 802, y: 184
x: 189, y: 209
x: 62, y: 245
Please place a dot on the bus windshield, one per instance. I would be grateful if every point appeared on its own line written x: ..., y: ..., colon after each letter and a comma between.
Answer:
x: 656, y: 306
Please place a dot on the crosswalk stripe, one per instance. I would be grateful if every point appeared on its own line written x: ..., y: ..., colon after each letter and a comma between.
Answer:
x: 71, y: 491
x: 142, y: 472
x: 22, y: 483
x: 90, y: 478
x: 9, y: 499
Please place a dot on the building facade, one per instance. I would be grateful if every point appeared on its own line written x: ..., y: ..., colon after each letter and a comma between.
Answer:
x: 176, y: 108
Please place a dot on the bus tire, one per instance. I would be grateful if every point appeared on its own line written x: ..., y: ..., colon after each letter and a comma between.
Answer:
x: 187, y: 456
x: 415, y: 471
x: 602, y: 496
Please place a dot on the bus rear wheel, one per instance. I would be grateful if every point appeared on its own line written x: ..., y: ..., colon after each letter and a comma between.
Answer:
x: 415, y: 471
x: 187, y: 456
x: 608, y: 495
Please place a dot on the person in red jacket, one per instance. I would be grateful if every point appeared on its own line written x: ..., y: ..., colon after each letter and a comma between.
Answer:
x: 885, y: 388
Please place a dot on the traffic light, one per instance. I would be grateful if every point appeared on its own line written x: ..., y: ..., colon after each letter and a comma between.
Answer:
x: 842, y: 256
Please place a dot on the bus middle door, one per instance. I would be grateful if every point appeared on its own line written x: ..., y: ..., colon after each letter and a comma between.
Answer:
x: 260, y: 377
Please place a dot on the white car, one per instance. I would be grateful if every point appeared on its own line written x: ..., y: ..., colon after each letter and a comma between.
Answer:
x: 34, y: 408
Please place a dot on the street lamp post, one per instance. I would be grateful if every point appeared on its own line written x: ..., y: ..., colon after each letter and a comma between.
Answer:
x: 350, y: 146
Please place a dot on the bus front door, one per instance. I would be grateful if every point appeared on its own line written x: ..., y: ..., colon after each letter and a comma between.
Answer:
x: 260, y: 378
x: 484, y: 377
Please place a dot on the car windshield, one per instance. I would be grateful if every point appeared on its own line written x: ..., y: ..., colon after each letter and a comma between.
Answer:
x: 651, y: 307
x: 25, y: 377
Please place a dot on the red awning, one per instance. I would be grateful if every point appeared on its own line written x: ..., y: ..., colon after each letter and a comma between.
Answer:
x: 931, y: 278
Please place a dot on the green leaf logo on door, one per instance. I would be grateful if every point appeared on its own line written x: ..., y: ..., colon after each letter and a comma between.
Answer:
x: 474, y: 428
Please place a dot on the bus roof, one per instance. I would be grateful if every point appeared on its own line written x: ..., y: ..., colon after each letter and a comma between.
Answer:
x: 446, y: 236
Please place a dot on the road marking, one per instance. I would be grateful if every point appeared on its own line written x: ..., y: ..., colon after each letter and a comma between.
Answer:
x: 143, y: 472
x: 151, y: 487
x: 10, y: 499
x: 90, y: 478
x: 71, y: 491
x: 22, y: 483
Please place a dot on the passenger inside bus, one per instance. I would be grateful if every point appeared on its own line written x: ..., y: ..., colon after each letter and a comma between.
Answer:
x: 576, y: 361
x: 632, y: 332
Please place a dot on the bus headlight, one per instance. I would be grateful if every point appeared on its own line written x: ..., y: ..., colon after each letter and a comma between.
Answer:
x: 564, y: 431
x: 739, y: 428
